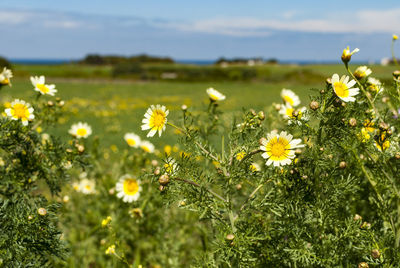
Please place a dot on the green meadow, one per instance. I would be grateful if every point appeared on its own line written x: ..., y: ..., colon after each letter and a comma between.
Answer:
x: 114, y: 106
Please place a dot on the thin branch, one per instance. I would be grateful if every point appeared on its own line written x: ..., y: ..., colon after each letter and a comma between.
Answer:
x: 198, y: 185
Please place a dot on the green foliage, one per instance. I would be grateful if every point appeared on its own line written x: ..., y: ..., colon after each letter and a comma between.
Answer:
x: 4, y: 63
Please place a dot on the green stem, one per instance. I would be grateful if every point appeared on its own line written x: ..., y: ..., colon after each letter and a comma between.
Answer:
x: 198, y: 185
x: 393, y: 55
x: 371, y: 104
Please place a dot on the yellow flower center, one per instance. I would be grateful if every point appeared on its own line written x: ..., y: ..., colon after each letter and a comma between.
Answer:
x: 81, y: 132
x: 169, y: 168
x: 145, y: 148
x: 288, y: 99
x: 131, y: 187
x: 43, y: 88
x: 157, y: 120
x: 289, y: 112
x: 278, y: 148
x: 341, y: 89
x: 213, y: 97
x: 131, y: 142
x: 20, y: 110
x: 5, y: 81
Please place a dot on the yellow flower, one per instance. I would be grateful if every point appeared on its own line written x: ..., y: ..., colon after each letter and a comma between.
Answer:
x: 361, y: 72
x: 128, y: 188
x: 369, y: 125
x: 5, y: 76
x: 241, y: 155
x: 289, y: 97
x: 87, y: 186
x: 167, y: 149
x: 395, y: 37
x: 106, y: 221
x: 110, y: 250
x: 254, y: 167
x: 132, y: 139
x: 20, y: 110
x: 215, y: 95
x: 364, y: 135
x: 382, y: 143
x: 80, y: 130
x: 147, y: 146
x: 41, y: 87
x: 279, y: 148
x: 170, y: 166
x: 343, y: 88
x: 155, y: 119
x: 346, y: 55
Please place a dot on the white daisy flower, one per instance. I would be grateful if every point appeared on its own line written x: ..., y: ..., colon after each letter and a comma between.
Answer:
x: 87, y: 186
x: 20, y: 110
x: 147, y: 146
x: 132, y: 139
x: 279, y: 148
x: 344, y: 88
x: 128, y: 188
x: 80, y: 130
x: 292, y: 114
x: 290, y: 97
x: 155, y: 119
x: 215, y: 95
x: 361, y: 72
x: 41, y: 87
x: 374, y: 84
x: 5, y: 76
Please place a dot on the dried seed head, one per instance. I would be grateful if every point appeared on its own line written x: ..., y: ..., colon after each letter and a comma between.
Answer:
x: 353, y: 122
x: 342, y: 165
x: 375, y: 254
x: 314, y: 105
x: 164, y: 179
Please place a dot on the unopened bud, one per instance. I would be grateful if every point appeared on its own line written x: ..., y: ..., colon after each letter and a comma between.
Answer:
x: 30, y: 217
x: 353, y: 122
x: 357, y: 217
x: 238, y: 186
x: 385, y: 99
x: 161, y: 188
x: 184, y: 107
x: 261, y: 115
x: 329, y: 81
x: 397, y: 155
x: 383, y: 126
x: 277, y: 107
x: 42, y: 211
x: 230, y: 237
x: 253, y: 112
x: 157, y: 171
x: 50, y: 103
x: 164, y: 179
x: 363, y: 265
x: 396, y: 74
x: 314, y: 105
x: 81, y: 148
x: 342, y: 165
x: 154, y: 162
x: 375, y: 254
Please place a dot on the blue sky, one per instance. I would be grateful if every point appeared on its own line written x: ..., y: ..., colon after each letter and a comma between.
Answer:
x: 287, y: 30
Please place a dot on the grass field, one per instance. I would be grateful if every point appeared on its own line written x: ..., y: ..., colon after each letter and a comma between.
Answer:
x: 114, y: 107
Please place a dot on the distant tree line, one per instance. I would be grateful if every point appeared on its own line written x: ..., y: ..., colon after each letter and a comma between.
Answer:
x: 245, y: 60
x: 96, y: 59
x: 4, y: 63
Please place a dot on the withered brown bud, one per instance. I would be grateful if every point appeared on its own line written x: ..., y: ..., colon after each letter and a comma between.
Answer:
x: 230, y: 237
x: 375, y: 254
x: 342, y: 165
x: 353, y: 122
x: 314, y: 105
x: 164, y: 179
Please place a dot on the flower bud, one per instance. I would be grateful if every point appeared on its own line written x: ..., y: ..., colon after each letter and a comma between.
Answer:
x: 328, y: 81
x: 395, y: 37
x: 42, y: 211
x: 353, y: 122
x: 357, y: 217
x: 262, y: 141
x: 184, y: 107
x: 164, y: 179
x: 50, y: 103
x: 396, y: 74
x: 230, y: 237
x: 363, y: 265
x: 161, y: 188
x: 397, y: 155
x: 261, y: 115
x: 346, y: 55
x: 81, y: 148
x: 157, y: 171
x: 375, y: 254
x: 253, y: 112
x: 238, y: 186
x: 314, y: 105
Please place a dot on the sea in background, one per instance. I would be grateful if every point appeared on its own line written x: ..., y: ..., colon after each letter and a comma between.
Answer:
x: 182, y: 61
